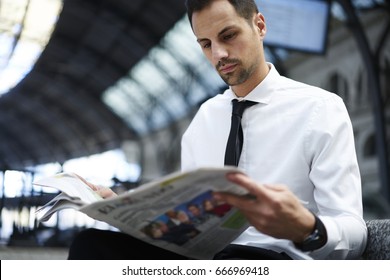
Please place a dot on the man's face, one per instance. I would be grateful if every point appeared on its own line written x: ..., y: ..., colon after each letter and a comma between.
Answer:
x: 231, y: 43
x: 195, y: 211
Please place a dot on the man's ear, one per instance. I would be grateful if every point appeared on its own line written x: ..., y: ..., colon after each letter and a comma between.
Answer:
x: 260, y: 24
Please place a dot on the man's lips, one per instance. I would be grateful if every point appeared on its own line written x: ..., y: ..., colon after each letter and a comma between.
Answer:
x: 227, y: 68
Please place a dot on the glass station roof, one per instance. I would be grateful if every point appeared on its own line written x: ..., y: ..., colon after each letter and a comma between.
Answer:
x: 24, y: 32
x: 162, y: 87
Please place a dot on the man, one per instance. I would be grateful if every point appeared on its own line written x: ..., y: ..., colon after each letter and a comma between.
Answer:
x: 298, y: 151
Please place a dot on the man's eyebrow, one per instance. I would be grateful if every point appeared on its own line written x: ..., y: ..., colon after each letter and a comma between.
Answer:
x: 227, y: 28
x: 201, y: 40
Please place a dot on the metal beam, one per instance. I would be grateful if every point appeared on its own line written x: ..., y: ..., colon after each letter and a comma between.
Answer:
x: 372, y: 67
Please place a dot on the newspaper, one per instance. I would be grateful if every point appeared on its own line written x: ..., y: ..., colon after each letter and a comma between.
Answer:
x: 176, y: 212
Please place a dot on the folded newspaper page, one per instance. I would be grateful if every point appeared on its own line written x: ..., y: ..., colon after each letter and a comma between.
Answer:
x: 176, y: 212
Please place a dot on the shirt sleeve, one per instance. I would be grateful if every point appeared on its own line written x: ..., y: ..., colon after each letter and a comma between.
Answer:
x: 187, y: 146
x: 330, y: 149
x: 186, y: 153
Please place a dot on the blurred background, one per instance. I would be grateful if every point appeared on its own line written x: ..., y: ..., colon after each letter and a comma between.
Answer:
x: 106, y: 88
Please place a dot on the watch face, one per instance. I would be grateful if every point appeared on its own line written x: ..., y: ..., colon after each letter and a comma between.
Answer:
x: 313, y: 242
x: 316, y: 239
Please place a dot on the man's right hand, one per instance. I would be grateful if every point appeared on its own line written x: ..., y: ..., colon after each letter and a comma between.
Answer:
x: 104, y: 192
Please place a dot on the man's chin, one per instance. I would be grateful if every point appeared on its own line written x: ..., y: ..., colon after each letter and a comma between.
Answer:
x: 229, y: 80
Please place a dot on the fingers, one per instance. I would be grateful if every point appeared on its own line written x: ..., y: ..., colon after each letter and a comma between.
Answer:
x: 241, y: 202
x: 106, y: 192
x: 100, y: 190
x: 259, y: 195
x: 259, y: 191
x: 92, y: 186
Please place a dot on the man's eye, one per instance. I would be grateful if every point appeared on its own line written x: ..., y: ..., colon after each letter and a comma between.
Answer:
x: 229, y: 36
x: 206, y: 46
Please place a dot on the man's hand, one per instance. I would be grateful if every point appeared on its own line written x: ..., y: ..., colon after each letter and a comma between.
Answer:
x: 272, y: 209
x: 104, y: 192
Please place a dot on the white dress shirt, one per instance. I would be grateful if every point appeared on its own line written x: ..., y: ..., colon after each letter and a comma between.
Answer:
x: 300, y: 136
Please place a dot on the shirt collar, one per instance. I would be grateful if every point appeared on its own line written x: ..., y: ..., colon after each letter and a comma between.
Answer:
x: 263, y: 92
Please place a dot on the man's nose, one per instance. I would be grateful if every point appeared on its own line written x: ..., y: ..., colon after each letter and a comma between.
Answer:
x: 218, y: 53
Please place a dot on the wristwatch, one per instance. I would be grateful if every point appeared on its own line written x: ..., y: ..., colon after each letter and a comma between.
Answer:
x: 316, y: 239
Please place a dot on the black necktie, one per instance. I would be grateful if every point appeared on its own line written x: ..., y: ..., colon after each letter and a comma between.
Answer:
x: 234, y: 144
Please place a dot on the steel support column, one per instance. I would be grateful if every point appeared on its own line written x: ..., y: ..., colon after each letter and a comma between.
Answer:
x: 372, y: 67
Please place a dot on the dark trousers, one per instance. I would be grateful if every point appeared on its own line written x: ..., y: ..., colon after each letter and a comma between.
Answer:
x: 94, y: 244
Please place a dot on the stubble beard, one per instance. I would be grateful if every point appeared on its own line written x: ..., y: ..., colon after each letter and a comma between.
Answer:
x: 237, y: 77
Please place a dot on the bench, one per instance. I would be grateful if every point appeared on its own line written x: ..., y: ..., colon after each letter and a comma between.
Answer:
x: 378, y: 240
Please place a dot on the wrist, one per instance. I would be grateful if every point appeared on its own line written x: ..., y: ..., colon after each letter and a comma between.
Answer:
x: 316, y: 239
x: 307, y: 228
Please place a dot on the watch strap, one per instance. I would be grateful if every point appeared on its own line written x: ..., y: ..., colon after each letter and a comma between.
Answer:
x: 316, y: 239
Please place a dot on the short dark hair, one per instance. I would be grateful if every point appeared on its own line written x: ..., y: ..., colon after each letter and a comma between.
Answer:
x: 244, y: 8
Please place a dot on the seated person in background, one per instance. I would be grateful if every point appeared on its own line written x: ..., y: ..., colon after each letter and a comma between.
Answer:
x: 214, y: 208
